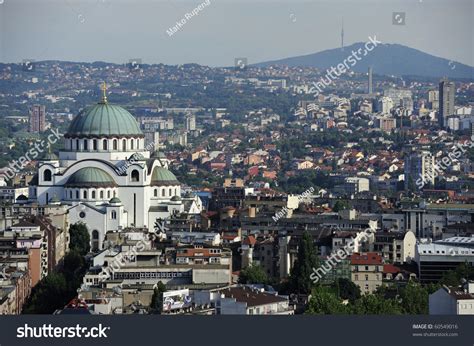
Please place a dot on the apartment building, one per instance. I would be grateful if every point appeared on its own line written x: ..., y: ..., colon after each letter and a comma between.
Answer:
x: 367, y: 271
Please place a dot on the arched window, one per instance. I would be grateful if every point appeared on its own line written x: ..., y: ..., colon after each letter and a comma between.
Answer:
x: 113, y: 215
x: 108, y: 194
x: 124, y: 145
x: 115, y: 144
x: 135, y: 175
x: 131, y: 144
x: 70, y: 144
x: 104, y: 144
x: 156, y: 193
x: 77, y: 194
x: 170, y: 191
x: 95, y: 240
x: 77, y: 144
x: 84, y: 194
x: 138, y: 144
x: 93, y: 194
x: 70, y: 194
x: 94, y: 144
x: 101, y: 193
x: 85, y: 144
x: 47, y: 175
x: 163, y: 192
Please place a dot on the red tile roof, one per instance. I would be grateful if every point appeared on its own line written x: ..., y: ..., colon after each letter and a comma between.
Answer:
x: 369, y: 258
x: 250, y: 240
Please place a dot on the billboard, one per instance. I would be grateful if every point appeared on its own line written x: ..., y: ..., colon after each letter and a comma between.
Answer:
x: 175, y: 300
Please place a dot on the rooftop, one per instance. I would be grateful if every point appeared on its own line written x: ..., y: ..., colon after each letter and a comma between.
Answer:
x: 252, y: 297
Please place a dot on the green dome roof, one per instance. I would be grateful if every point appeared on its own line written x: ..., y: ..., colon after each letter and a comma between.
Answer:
x: 90, y: 177
x: 102, y: 120
x: 162, y: 176
x: 115, y: 200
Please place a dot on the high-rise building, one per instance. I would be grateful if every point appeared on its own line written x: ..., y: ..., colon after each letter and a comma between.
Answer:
x: 419, y: 170
x: 37, y: 118
x: 384, y: 105
x: 446, y: 101
x: 369, y: 88
x: 433, y: 99
x: 190, y: 122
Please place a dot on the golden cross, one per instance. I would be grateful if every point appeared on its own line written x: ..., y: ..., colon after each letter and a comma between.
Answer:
x: 104, y: 92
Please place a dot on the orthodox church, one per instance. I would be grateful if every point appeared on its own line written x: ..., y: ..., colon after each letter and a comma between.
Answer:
x: 107, y: 177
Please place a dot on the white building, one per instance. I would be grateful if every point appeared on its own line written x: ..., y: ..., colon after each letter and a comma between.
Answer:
x: 385, y: 105
x: 244, y: 300
x: 436, y: 258
x: 106, y: 175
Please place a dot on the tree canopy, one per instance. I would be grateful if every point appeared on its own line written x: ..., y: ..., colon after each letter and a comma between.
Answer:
x: 307, y: 259
x: 79, y: 238
x: 253, y: 274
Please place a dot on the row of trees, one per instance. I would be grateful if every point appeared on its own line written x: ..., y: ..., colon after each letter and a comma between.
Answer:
x: 344, y: 297
x: 58, y: 288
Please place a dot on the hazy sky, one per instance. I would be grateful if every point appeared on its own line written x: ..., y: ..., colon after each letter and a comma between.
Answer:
x: 119, y: 30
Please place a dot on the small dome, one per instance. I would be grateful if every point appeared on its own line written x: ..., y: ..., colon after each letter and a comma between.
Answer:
x: 161, y: 176
x: 22, y: 198
x: 176, y: 199
x: 104, y: 120
x: 115, y: 200
x: 90, y: 177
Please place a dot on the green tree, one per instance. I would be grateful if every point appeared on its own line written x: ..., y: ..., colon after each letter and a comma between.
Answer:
x: 414, y: 299
x: 79, y: 238
x: 49, y: 294
x: 74, y: 269
x: 346, y: 289
x: 156, y: 304
x: 340, y: 205
x: 253, y: 274
x: 454, y: 277
x: 371, y: 304
x: 307, y: 259
x: 324, y: 301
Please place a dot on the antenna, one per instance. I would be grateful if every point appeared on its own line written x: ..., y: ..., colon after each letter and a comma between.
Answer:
x: 342, y: 34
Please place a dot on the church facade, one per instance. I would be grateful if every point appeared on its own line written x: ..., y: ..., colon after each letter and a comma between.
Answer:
x: 107, y: 176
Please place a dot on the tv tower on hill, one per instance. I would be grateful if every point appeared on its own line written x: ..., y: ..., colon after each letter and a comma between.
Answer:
x: 342, y: 34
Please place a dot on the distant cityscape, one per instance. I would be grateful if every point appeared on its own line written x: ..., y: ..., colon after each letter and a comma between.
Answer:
x: 186, y: 189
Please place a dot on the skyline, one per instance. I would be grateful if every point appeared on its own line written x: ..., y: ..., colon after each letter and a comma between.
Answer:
x: 74, y: 31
